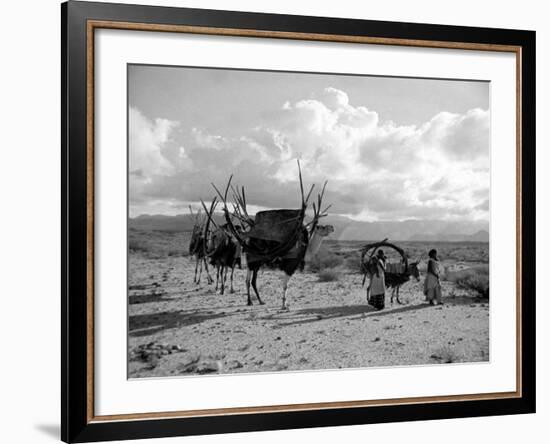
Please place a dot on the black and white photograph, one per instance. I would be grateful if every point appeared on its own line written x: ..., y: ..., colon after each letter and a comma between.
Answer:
x: 294, y: 221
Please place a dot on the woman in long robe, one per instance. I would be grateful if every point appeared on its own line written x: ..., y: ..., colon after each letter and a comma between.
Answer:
x: 377, y: 285
x: 432, y: 285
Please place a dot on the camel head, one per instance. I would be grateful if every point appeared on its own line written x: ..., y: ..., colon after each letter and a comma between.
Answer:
x: 323, y: 230
x: 319, y: 233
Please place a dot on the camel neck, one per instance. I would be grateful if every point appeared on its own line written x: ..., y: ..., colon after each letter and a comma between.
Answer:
x: 314, y: 244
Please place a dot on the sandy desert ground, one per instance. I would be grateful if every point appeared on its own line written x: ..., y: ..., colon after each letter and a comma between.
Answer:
x: 176, y: 327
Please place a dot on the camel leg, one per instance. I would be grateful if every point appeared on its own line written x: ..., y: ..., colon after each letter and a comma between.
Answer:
x: 196, y: 269
x: 232, y: 271
x: 208, y: 277
x: 224, y: 278
x: 392, y: 293
x: 254, y: 277
x: 200, y: 271
x: 285, y: 280
x: 217, y: 277
x: 248, y: 278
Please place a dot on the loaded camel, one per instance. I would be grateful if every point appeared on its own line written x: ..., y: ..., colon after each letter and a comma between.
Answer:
x: 223, y: 251
x: 396, y: 274
x: 197, y: 248
x: 276, y: 238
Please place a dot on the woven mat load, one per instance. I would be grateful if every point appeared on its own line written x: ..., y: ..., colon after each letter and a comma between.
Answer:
x: 275, y: 225
x: 395, y: 267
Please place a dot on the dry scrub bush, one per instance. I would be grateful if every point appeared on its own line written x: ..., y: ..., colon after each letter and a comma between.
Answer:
x: 158, y: 245
x: 353, y: 264
x: 328, y: 275
x: 445, y: 355
x: 138, y: 245
x: 324, y: 259
x: 178, y: 252
x: 475, y: 278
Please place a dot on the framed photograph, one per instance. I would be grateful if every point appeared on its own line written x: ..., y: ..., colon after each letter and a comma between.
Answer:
x: 275, y: 221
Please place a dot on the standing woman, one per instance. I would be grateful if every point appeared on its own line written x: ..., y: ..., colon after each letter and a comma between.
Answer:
x: 432, y: 285
x: 377, y: 284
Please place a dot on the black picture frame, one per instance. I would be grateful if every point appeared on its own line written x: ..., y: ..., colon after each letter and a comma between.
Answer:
x: 76, y: 423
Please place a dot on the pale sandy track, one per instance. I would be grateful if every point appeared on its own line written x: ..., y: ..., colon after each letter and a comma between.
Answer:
x: 190, y: 329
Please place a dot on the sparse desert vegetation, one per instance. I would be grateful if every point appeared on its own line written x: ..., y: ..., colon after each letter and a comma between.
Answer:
x: 473, y: 278
x: 445, y: 355
x: 323, y: 260
x: 158, y: 244
x: 328, y: 275
x: 180, y: 328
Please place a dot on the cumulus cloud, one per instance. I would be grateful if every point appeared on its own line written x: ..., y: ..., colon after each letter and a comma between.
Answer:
x: 147, y: 157
x: 376, y: 170
x: 147, y: 137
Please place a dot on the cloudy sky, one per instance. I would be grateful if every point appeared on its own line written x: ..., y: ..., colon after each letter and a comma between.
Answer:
x: 391, y: 148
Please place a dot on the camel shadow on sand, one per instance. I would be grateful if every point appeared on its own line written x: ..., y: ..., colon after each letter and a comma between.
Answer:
x: 152, y: 323
x: 147, y: 298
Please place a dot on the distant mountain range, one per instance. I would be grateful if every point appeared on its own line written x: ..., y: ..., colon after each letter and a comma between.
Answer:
x: 159, y: 222
x: 349, y: 229
x: 479, y: 236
